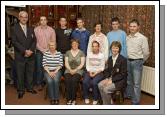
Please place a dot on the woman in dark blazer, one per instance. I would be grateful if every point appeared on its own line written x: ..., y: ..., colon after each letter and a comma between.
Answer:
x: 115, y: 75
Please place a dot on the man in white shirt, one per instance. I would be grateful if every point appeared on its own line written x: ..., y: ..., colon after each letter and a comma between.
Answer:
x: 138, y: 53
x: 95, y: 64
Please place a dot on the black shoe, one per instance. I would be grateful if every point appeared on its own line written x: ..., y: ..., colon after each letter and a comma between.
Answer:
x: 56, y: 102
x: 20, y: 95
x: 52, y: 102
x: 69, y: 102
x: 128, y: 97
x: 32, y: 91
x: 40, y: 88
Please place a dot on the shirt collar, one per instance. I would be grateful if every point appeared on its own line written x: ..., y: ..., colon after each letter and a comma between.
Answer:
x: 44, y: 27
x: 83, y: 29
x: 135, y: 35
x: 97, y: 35
x: 22, y: 25
x: 115, y: 58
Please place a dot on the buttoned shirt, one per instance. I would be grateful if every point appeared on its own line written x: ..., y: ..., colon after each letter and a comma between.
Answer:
x: 44, y: 35
x: 137, y: 46
x: 114, y: 58
x: 24, y: 28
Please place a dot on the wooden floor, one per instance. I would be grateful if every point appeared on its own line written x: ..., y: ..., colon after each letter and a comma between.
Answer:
x: 38, y: 99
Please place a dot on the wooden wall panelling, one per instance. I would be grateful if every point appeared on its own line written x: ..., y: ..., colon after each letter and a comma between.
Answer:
x: 144, y: 13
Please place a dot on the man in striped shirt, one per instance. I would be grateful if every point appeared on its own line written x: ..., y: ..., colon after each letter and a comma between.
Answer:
x: 138, y: 53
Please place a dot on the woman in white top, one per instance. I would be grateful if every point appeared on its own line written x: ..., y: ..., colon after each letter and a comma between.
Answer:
x: 101, y: 38
x: 95, y: 64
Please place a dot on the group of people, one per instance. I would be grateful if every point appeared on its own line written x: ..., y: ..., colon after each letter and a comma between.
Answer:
x: 105, y: 63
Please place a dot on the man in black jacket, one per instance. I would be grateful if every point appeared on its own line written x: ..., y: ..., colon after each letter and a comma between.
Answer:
x: 24, y: 42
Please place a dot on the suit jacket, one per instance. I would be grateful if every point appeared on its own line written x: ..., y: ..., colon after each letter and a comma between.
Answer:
x: 118, y: 72
x: 22, y: 43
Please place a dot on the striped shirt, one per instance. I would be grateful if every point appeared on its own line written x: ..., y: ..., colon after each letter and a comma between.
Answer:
x: 137, y: 46
x: 52, y: 61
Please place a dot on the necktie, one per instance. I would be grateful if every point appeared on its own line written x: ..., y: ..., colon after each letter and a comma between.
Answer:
x: 24, y: 30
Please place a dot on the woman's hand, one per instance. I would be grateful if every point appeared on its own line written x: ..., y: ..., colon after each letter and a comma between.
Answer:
x: 109, y: 82
x: 52, y: 74
x: 73, y: 71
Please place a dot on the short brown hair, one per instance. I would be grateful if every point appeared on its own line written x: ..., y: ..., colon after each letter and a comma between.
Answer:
x: 116, y: 44
x: 134, y: 21
x: 96, y: 43
x: 75, y: 40
x: 80, y: 19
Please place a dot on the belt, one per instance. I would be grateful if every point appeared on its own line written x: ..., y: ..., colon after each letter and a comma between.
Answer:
x: 135, y: 59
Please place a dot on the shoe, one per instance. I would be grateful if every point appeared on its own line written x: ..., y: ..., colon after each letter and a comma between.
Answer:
x: 128, y: 98
x: 73, y: 102
x: 52, y: 102
x: 40, y: 88
x: 69, y: 102
x: 95, y: 102
x: 56, y: 102
x: 32, y: 91
x: 86, y: 101
x: 20, y: 95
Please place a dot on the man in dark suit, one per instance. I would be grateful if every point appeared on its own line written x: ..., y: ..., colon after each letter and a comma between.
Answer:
x: 115, y: 75
x: 24, y: 42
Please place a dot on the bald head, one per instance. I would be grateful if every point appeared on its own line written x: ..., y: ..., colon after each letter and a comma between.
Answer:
x: 23, y: 17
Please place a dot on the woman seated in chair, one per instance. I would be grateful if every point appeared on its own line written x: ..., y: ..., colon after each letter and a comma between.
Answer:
x: 115, y: 75
x: 74, y: 62
x: 52, y: 63
x: 95, y: 64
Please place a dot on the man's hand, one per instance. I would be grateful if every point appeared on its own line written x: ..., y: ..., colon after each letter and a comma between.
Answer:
x: 28, y: 53
x: 109, y: 82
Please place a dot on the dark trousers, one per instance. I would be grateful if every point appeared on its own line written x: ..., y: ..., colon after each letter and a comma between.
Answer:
x: 71, y: 83
x: 89, y: 82
x: 39, y: 68
x: 24, y: 71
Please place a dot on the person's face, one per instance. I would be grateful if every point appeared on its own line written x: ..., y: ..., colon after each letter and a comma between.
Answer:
x: 115, y: 50
x: 133, y: 28
x: 95, y: 48
x: 23, y: 18
x: 80, y: 24
x: 52, y: 46
x: 115, y: 25
x: 98, y: 28
x: 63, y: 22
x: 74, y: 45
x: 43, y: 21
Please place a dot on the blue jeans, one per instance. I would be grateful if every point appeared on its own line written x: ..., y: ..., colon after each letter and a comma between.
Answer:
x: 53, y: 85
x: 91, y: 82
x: 129, y: 89
x: 135, y: 69
x: 39, y: 68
